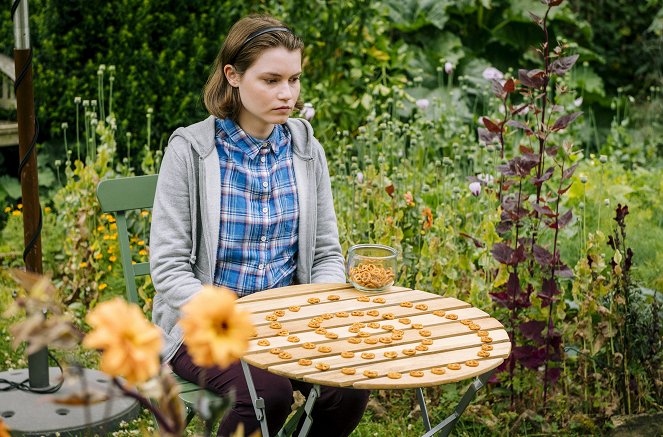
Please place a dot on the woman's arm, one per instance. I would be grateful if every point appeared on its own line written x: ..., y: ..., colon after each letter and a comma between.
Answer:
x: 328, y: 261
x: 171, y: 231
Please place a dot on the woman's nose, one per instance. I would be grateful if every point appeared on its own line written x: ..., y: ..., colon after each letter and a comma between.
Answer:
x: 284, y: 92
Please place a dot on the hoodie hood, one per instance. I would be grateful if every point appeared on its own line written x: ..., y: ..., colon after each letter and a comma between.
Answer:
x: 201, y: 136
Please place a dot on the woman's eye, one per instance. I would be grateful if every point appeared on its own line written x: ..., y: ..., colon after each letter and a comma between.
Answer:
x: 294, y: 79
x: 270, y: 81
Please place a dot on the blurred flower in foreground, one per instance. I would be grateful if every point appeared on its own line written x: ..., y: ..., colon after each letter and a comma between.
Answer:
x: 422, y: 104
x: 491, y: 73
x: 448, y: 67
x: 129, y: 342
x: 308, y: 111
x: 45, y: 323
x: 4, y: 431
x: 475, y: 188
x: 215, y: 331
x: 360, y: 177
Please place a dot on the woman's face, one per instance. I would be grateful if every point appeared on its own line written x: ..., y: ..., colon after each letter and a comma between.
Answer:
x: 268, y: 90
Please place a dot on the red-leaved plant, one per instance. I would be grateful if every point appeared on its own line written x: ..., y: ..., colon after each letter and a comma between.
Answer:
x: 531, y: 188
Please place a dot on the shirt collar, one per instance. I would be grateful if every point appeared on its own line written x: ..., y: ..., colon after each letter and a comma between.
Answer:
x: 277, y: 140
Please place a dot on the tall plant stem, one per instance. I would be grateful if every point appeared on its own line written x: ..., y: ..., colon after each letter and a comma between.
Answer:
x: 542, y: 126
x: 551, y: 304
x: 514, y: 313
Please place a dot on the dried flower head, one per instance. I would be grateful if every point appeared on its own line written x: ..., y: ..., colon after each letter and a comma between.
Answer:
x: 129, y: 342
x: 216, y: 332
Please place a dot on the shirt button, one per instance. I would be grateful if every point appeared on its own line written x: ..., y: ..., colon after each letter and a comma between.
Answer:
x: 263, y: 238
x: 261, y: 266
x: 265, y: 184
x: 265, y: 210
x: 262, y: 159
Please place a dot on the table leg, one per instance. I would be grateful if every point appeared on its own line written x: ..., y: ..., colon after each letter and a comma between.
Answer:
x: 424, y: 410
x: 258, y: 403
x: 445, y: 427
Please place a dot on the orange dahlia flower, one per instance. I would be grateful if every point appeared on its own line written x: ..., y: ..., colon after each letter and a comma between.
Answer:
x: 215, y: 331
x: 130, y: 344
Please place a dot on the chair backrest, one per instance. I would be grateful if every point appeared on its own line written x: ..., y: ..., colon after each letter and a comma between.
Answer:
x: 118, y: 196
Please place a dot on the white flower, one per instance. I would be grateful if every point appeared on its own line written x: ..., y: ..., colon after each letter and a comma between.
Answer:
x: 577, y: 102
x: 475, y: 188
x: 308, y: 111
x: 360, y: 177
x: 422, y: 104
x: 448, y: 67
x: 77, y: 100
x: 491, y: 73
x: 488, y: 179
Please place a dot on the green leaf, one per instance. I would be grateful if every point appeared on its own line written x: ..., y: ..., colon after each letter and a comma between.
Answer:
x: 11, y: 186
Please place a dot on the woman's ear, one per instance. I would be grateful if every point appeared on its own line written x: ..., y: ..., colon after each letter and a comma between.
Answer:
x: 231, y: 75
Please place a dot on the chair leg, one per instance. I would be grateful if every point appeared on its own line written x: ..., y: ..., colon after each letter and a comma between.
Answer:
x: 258, y: 403
x: 190, y: 414
x: 308, y: 408
x: 445, y: 427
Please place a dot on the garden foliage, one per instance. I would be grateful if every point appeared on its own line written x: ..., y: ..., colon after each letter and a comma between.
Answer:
x: 486, y: 179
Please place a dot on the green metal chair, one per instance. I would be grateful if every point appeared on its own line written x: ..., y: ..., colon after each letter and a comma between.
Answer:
x: 118, y: 196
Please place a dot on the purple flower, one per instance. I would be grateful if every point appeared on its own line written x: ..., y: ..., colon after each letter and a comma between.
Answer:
x: 422, y: 104
x: 491, y: 73
x: 360, y: 177
x: 308, y: 111
x: 578, y: 101
x: 475, y: 188
x: 448, y: 67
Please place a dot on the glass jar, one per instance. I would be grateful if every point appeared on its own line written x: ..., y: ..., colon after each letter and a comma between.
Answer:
x: 371, y: 267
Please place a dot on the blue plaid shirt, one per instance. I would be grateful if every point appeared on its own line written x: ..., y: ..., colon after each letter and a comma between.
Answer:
x: 258, y: 232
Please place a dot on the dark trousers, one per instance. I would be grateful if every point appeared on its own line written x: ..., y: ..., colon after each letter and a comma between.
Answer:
x: 336, y: 412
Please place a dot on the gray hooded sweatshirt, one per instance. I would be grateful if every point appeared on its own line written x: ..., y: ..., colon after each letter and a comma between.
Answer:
x: 186, y: 216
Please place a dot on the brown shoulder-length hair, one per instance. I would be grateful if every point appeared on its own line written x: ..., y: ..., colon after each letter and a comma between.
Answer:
x: 220, y: 98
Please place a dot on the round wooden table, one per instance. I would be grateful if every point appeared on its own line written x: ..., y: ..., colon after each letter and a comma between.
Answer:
x: 398, y: 339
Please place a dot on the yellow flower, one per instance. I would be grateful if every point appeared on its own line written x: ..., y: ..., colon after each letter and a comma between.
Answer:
x: 215, y: 331
x: 102, y: 286
x: 141, y: 242
x: 130, y: 344
x: 82, y: 264
x: 112, y: 258
x: 16, y: 212
x: 111, y: 218
x: 47, y: 209
x: 142, y: 252
x: 8, y: 209
x: 110, y: 268
x: 144, y: 213
x: 100, y: 228
x: 4, y: 431
x: 19, y: 206
x: 98, y: 256
x: 113, y: 226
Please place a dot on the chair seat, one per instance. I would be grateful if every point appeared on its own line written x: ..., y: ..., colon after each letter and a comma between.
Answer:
x: 190, y: 392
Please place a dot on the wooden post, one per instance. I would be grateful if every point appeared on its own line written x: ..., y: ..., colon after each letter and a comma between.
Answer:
x: 27, y: 152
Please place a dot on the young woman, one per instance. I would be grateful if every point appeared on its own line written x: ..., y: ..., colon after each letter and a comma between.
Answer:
x: 244, y: 201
